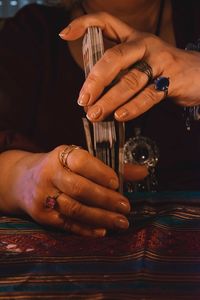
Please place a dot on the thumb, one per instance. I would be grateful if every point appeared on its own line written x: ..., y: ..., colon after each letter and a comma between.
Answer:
x: 112, y: 28
x: 133, y: 172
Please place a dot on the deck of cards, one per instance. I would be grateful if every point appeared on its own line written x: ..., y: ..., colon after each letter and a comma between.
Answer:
x: 105, y: 139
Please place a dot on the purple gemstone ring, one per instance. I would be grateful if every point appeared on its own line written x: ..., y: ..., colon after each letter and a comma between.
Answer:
x: 162, y: 84
x: 51, y: 201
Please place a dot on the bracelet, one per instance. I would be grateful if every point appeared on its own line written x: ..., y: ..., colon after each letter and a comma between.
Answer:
x: 195, y: 46
x: 192, y: 113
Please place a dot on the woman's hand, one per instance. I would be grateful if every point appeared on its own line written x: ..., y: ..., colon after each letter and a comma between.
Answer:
x: 132, y: 95
x: 88, y: 203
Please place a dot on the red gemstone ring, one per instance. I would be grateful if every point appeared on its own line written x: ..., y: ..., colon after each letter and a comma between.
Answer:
x: 51, y: 201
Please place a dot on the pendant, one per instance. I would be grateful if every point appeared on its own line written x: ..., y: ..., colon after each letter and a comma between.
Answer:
x: 191, y: 113
x: 142, y: 151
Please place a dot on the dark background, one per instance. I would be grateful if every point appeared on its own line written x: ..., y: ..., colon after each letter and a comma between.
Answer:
x: 9, y: 7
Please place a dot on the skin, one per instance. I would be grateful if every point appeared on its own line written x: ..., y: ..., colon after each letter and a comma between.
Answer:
x: 89, y: 204
x: 131, y: 96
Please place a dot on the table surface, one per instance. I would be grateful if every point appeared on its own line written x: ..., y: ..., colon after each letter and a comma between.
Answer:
x: 157, y: 258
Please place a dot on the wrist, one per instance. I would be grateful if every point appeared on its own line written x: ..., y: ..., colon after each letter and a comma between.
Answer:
x: 11, y: 172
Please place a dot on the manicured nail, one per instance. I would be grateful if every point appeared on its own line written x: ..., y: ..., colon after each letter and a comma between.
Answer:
x: 100, y: 232
x: 113, y: 184
x: 94, y: 113
x: 121, y: 113
x: 65, y: 31
x: 121, y: 222
x: 84, y: 99
x: 123, y: 207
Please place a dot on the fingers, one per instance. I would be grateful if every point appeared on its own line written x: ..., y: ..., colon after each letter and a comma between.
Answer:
x: 133, y: 172
x: 91, y: 194
x: 112, y: 27
x: 114, y: 60
x: 71, y: 215
x: 85, y: 196
x: 89, y: 181
x: 129, y: 84
x: 127, y: 97
x: 139, y: 104
x: 95, y: 217
x: 84, y: 164
x: 56, y: 220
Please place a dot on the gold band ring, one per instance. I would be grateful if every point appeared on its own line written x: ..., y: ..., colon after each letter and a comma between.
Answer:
x: 63, y: 155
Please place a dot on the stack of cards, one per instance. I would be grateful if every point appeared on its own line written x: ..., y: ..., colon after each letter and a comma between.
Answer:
x: 104, y: 139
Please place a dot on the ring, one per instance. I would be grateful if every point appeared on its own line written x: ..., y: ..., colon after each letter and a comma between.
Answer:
x: 144, y: 67
x: 64, y: 155
x: 162, y: 84
x: 51, y: 201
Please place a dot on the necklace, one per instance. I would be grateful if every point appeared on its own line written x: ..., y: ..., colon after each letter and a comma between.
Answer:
x: 142, y: 150
x: 160, y: 16
x: 139, y: 149
x: 192, y: 113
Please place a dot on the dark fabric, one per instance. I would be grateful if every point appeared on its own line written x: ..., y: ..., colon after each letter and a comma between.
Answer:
x: 157, y: 258
x: 40, y: 82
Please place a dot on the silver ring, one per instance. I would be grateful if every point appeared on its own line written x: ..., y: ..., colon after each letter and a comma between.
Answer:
x: 144, y: 67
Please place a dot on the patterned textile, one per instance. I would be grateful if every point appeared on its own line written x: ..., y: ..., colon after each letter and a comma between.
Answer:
x: 157, y: 258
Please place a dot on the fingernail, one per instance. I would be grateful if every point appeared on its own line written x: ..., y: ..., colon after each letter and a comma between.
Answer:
x: 65, y: 31
x: 62, y: 35
x: 84, y: 99
x: 100, y: 232
x: 121, y: 222
x: 94, y: 113
x: 113, y: 183
x: 123, y: 207
x: 121, y: 113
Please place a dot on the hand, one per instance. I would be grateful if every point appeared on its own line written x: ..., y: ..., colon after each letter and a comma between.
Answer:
x: 134, y: 173
x: 88, y: 203
x: 132, y: 95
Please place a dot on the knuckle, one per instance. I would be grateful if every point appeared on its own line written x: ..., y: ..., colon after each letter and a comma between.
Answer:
x: 67, y: 225
x: 103, y: 15
x: 167, y: 57
x: 107, y: 102
x: 55, y: 153
x: 130, y: 80
x: 58, y: 148
x: 74, y: 209
x: 150, y: 95
x: 76, y: 188
x: 78, y: 159
x: 150, y: 38
x: 113, y: 54
x: 137, y: 107
x: 93, y: 78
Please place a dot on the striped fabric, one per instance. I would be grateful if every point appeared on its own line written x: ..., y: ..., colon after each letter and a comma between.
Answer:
x: 157, y: 258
